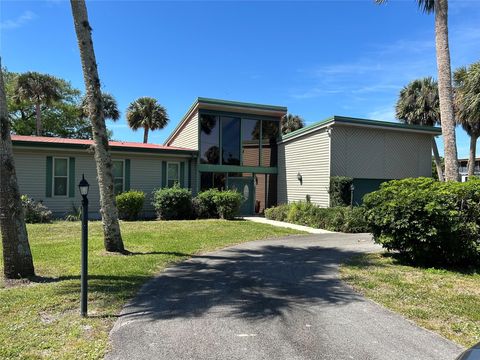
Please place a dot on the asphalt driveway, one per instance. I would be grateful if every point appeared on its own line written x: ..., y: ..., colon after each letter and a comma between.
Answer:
x: 277, y: 299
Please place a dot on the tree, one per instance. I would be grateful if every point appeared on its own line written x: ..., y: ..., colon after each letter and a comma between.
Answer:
x: 111, y: 228
x: 291, y: 123
x: 17, y: 256
x: 445, y: 90
x: 39, y: 89
x: 110, y: 107
x: 146, y: 113
x: 467, y: 101
x: 419, y: 104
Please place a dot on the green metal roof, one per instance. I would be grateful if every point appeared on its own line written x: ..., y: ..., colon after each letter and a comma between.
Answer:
x: 366, y: 122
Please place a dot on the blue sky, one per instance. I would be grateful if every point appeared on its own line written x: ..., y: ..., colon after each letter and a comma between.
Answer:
x: 318, y: 58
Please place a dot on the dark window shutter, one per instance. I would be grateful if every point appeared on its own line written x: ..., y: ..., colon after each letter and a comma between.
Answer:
x: 164, y: 174
x: 182, y: 174
x: 71, y: 177
x: 127, y: 174
x: 49, y: 177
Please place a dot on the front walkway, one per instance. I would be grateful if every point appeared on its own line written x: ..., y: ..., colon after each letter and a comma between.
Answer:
x: 271, y: 299
x: 307, y: 229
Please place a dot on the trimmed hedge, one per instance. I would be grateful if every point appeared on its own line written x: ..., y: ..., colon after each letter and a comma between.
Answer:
x: 428, y: 222
x: 228, y: 203
x: 343, y: 219
x: 130, y: 204
x: 340, y: 190
x: 204, y: 204
x: 173, y: 203
x: 35, y: 212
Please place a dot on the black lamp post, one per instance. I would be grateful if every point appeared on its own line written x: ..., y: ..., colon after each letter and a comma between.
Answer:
x: 352, y: 189
x: 84, y: 186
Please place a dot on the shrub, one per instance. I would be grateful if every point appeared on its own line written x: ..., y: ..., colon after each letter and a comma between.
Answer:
x: 278, y: 213
x: 35, y: 212
x: 428, y: 222
x: 173, y: 203
x: 204, y: 204
x: 75, y: 214
x: 228, y: 203
x: 130, y: 204
x: 340, y: 190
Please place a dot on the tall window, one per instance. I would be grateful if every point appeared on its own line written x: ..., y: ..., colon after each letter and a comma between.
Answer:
x: 230, y: 140
x: 118, y: 176
x: 209, y: 139
x: 251, y: 142
x: 60, y: 176
x: 270, y: 133
x: 173, y: 174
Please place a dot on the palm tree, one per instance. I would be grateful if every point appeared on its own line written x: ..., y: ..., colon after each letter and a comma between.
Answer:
x: 39, y: 89
x: 445, y: 90
x: 146, y: 113
x: 291, y: 123
x: 17, y: 257
x: 467, y: 101
x: 110, y: 107
x: 108, y: 209
x: 419, y: 104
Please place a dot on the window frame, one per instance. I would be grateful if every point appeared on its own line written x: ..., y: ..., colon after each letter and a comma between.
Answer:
x: 123, y: 175
x: 55, y: 158
x: 178, y: 172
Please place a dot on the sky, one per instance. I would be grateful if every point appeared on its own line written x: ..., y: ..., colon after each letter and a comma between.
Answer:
x: 318, y: 58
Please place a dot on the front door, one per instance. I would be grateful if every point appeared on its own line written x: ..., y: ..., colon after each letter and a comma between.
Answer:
x: 244, y: 185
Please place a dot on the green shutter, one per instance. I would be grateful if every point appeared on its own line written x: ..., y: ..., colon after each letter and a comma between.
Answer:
x: 164, y: 174
x: 182, y: 174
x: 71, y: 177
x: 127, y: 174
x: 49, y: 174
x: 189, y: 184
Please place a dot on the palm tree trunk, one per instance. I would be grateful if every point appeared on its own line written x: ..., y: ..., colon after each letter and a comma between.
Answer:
x: 108, y: 209
x: 445, y: 91
x: 471, y: 160
x: 438, y: 162
x: 17, y: 257
x: 145, y: 135
x: 38, y: 120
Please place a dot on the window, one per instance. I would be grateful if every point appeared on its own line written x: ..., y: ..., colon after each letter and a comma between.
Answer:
x: 251, y: 142
x: 230, y: 140
x: 118, y: 176
x: 270, y: 133
x: 209, y: 139
x: 173, y: 174
x: 60, y: 176
x: 209, y: 180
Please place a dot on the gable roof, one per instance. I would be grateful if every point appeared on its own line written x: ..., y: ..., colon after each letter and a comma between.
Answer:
x: 56, y: 142
x: 344, y: 120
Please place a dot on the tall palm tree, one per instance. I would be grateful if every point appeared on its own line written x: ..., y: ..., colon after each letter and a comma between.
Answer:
x: 467, y: 101
x: 39, y: 89
x: 17, y: 257
x: 108, y: 209
x: 291, y: 123
x: 146, y: 113
x: 110, y: 107
x: 419, y: 104
x: 445, y: 90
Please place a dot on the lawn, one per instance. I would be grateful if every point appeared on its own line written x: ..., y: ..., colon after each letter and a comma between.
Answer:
x: 447, y: 302
x: 41, y: 319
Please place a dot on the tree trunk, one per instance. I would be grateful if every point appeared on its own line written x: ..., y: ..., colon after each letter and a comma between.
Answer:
x: 145, y: 135
x: 438, y: 162
x: 108, y: 209
x: 471, y: 160
x: 17, y: 257
x: 38, y: 120
x: 445, y: 91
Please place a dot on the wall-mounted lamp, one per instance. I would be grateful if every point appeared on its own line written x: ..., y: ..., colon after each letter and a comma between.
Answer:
x: 300, y: 178
x: 329, y: 131
x: 352, y: 189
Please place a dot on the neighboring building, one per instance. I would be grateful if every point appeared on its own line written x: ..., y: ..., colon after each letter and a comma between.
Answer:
x: 231, y: 145
x: 463, y: 168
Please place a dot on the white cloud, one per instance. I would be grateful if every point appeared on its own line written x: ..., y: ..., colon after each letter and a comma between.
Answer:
x: 386, y: 113
x: 26, y: 17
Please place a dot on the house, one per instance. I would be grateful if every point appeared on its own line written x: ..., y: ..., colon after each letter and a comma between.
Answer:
x: 463, y: 168
x: 231, y: 145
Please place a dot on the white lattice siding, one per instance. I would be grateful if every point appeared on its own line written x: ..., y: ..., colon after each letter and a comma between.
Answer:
x: 308, y: 155
x: 187, y: 135
x: 379, y: 153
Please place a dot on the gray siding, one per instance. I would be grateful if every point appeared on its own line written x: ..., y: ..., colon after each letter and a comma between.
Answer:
x: 371, y: 153
x: 187, y: 136
x: 308, y: 155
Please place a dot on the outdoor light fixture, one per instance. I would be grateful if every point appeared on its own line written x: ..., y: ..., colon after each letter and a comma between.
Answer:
x: 83, y: 186
x: 300, y: 178
x: 352, y: 189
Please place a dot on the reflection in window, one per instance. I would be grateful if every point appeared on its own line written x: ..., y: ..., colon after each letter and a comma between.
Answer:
x: 270, y: 133
x: 118, y: 176
x: 230, y: 141
x: 210, y: 180
x: 251, y: 142
x: 173, y: 174
x: 60, y: 177
x: 209, y: 139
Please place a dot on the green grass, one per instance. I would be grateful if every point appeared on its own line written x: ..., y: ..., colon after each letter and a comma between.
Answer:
x: 41, y: 319
x: 444, y: 301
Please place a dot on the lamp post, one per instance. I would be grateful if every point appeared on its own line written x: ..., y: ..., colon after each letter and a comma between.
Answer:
x: 83, y: 187
x: 352, y: 189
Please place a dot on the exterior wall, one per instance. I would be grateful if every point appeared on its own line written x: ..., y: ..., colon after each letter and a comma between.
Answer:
x: 308, y: 155
x: 187, y: 136
x: 370, y: 153
x: 145, y: 175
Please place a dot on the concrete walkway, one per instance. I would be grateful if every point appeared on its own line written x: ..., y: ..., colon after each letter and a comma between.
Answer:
x: 276, y: 299
x: 307, y: 229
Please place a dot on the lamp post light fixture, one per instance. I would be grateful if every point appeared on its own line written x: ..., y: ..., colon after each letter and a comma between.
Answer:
x: 352, y: 189
x: 83, y: 186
